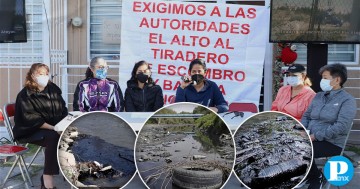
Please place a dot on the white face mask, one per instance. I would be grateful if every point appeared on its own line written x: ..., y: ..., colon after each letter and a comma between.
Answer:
x: 325, y: 85
x: 42, y: 80
x: 293, y: 80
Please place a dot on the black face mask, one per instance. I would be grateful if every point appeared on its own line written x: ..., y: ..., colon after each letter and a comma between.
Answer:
x: 142, y: 77
x: 198, y: 78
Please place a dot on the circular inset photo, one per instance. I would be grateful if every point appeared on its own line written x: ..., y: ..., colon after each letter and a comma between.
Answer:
x: 273, y: 150
x: 97, y: 150
x: 184, y: 145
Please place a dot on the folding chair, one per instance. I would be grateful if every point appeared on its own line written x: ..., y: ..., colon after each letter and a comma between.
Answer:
x: 10, y: 112
x: 238, y: 108
x: 9, y: 150
x: 342, y: 152
x: 243, y: 107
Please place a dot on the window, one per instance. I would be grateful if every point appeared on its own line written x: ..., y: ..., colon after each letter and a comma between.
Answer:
x: 32, y: 51
x: 337, y: 53
x: 104, y: 30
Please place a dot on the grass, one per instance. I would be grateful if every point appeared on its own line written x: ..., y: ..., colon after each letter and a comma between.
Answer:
x: 353, y: 149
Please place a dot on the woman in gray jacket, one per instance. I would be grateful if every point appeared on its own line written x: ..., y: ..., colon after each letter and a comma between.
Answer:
x: 329, y: 118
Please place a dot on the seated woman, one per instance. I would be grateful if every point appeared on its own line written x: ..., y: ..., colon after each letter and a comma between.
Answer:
x: 196, y: 88
x: 329, y: 117
x: 97, y: 92
x: 294, y: 98
x: 39, y: 107
x: 142, y: 94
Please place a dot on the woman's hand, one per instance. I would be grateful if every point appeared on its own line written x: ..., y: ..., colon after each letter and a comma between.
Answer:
x: 215, y: 109
x: 47, y: 126
x: 185, y: 81
x: 312, y: 137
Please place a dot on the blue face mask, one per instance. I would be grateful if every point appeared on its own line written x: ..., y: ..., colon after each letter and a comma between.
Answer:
x: 101, y: 73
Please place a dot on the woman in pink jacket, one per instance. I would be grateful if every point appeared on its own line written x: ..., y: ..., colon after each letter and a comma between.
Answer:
x: 294, y: 98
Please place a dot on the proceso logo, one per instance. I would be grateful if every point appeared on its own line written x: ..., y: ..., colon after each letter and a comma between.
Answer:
x: 339, y: 170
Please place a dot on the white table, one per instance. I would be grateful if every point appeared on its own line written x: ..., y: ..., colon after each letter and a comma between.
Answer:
x: 235, y: 122
x: 137, y: 119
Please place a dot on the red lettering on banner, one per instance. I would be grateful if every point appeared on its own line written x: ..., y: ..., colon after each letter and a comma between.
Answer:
x: 154, y: 40
x: 190, y: 41
x: 217, y: 74
x: 171, y: 69
x: 190, y: 25
x: 136, y: 5
x: 234, y: 28
x: 168, y: 54
x: 146, y: 7
x: 144, y: 22
x: 240, y: 13
x: 177, y: 84
x: 215, y: 11
x: 222, y: 89
x: 169, y: 99
x: 241, y: 77
x: 220, y: 43
x: 212, y: 27
x: 224, y: 27
x: 168, y: 85
x: 225, y: 74
x: 251, y: 13
x: 169, y: 8
x: 245, y: 29
x: 201, y: 10
x: 164, y: 69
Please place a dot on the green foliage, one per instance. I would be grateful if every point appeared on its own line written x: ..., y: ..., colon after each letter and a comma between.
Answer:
x: 201, y: 110
x: 212, y: 124
x: 170, y: 121
x: 206, y: 120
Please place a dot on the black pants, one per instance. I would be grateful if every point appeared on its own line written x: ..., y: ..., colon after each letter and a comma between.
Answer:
x: 322, y: 149
x: 48, y: 139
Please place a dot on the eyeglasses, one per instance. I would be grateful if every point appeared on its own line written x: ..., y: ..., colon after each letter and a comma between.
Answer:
x: 102, y: 67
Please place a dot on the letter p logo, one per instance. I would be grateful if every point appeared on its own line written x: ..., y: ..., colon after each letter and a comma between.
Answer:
x: 339, y: 170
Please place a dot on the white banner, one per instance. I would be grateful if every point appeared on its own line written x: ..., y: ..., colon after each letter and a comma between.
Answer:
x: 169, y: 35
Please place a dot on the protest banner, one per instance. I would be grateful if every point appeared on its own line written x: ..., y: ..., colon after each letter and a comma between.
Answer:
x: 169, y: 35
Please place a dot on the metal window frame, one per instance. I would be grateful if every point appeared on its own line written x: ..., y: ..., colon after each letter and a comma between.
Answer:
x: 354, y: 63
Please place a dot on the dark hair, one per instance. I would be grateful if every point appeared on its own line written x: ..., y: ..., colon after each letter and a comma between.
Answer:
x: 197, y: 61
x: 336, y: 70
x: 136, y: 66
x: 30, y: 83
x: 93, y: 62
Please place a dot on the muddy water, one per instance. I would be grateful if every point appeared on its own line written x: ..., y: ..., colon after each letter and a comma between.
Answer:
x: 180, y: 151
x: 110, y: 141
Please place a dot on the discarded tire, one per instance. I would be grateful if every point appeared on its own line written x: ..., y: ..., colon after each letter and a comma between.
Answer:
x: 196, y: 177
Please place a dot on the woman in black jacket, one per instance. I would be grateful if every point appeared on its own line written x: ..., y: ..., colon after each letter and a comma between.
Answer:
x: 39, y: 107
x: 142, y: 94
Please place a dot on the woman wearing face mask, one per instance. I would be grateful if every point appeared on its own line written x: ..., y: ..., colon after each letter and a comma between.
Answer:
x: 329, y: 117
x: 142, y: 94
x: 294, y: 98
x: 40, y: 106
x: 196, y: 88
x: 97, y: 92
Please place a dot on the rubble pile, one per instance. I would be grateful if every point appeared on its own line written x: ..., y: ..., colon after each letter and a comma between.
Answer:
x: 271, y: 154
